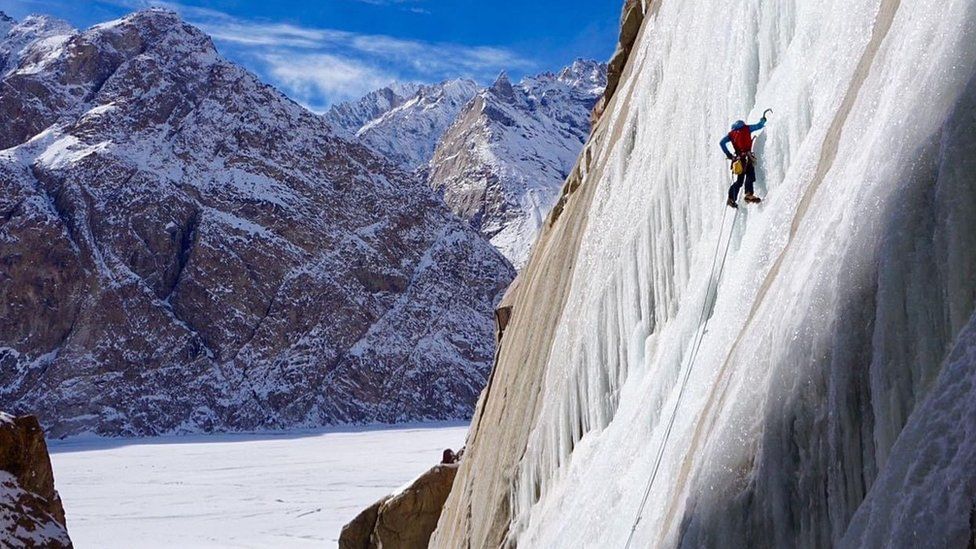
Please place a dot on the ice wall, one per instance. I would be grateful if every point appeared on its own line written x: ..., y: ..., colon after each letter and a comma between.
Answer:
x: 836, y: 309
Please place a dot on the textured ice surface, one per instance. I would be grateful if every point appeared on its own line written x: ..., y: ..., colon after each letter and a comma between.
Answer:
x: 292, y: 490
x: 842, y: 295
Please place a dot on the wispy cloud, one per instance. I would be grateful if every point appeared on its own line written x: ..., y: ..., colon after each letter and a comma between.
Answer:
x: 321, y: 66
x: 311, y: 77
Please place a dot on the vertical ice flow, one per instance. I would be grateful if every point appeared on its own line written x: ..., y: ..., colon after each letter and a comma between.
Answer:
x: 842, y: 294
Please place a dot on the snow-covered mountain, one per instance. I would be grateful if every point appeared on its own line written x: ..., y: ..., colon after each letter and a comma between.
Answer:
x: 799, y: 373
x: 502, y: 162
x: 351, y: 116
x: 404, y: 122
x: 185, y: 249
x: 25, y: 47
x: 497, y: 155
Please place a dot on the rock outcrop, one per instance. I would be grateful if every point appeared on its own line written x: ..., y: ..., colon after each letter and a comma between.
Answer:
x: 31, y: 514
x: 404, y: 520
x: 184, y: 249
x: 630, y: 24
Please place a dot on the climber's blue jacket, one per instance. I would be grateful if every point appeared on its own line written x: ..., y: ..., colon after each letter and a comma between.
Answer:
x: 741, y: 137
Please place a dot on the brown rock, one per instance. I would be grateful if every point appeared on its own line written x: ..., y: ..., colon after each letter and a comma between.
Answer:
x: 630, y: 23
x: 404, y: 520
x: 358, y: 533
x: 31, y: 513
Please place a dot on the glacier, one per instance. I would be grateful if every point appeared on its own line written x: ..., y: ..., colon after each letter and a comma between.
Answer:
x: 824, y: 405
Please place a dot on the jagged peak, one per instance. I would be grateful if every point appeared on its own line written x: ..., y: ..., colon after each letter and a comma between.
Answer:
x: 503, y: 86
x: 581, y: 65
x: 154, y: 26
x: 403, y: 89
x: 155, y: 20
x: 502, y: 79
x: 459, y: 83
x: 38, y: 24
x: 4, y: 18
x: 158, y: 15
x: 583, y: 69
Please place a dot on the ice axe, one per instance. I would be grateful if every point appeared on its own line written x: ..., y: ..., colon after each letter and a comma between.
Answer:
x: 765, y: 111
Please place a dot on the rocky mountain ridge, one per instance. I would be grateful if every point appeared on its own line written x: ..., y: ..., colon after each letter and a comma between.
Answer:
x: 502, y: 163
x: 351, y: 116
x: 497, y: 155
x: 185, y: 249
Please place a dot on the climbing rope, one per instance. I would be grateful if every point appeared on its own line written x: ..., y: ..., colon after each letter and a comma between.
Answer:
x: 699, y: 337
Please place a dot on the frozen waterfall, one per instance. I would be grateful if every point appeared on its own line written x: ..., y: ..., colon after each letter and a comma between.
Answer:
x: 840, y: 300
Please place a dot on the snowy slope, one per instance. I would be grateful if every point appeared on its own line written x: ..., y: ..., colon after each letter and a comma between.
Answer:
x: 16, y: 36
x: 185, y: 249
x: 806, y: 352
x: 349, y: 117
x: 405, y: 122
x: 209, y: 491
x: 25, y: 48
x: 503, y: 161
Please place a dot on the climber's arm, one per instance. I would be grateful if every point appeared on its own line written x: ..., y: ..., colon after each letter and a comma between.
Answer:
x: 724, y: 143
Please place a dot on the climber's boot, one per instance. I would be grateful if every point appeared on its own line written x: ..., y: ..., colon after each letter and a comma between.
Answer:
x: 731, y: 203
x: 753, y: 199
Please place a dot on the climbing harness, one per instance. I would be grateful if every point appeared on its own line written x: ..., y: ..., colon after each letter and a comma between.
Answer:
x: 699, y: 337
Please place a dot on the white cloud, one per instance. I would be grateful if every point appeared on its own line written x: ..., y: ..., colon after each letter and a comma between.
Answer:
x: 310, y: 77
x: 318, y: 66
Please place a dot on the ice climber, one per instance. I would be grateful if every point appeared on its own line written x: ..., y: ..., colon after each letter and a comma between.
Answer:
x: 743, y: 161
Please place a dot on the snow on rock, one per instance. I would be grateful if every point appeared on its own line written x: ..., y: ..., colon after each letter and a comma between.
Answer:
x: 827, y: 330
x: 36, y: 35
x: 497, y: 155
x: 352, y: 116
x: 192, y: 251
x: 31, y: 514
x: 407, y: 120
x: 502, y: 162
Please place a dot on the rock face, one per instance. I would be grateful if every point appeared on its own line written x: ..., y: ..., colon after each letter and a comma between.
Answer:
x: 31, y: 514
x: 404, y: 520
x: 404, y: 123
x: 813, y: 385
x: 630, y: 24
x: 184, y: 249
x: 351, y: 116
x: 501, y: 164
x: 27, y: 45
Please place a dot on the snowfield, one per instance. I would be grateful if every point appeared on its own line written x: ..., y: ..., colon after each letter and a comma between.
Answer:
x: 289, y: 490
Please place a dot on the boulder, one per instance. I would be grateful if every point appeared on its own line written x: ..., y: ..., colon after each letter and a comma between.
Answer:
x: 359, y: 532
x: 405, y: 519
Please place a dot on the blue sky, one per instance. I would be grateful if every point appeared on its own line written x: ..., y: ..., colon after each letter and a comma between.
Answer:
x: 323, y: 51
